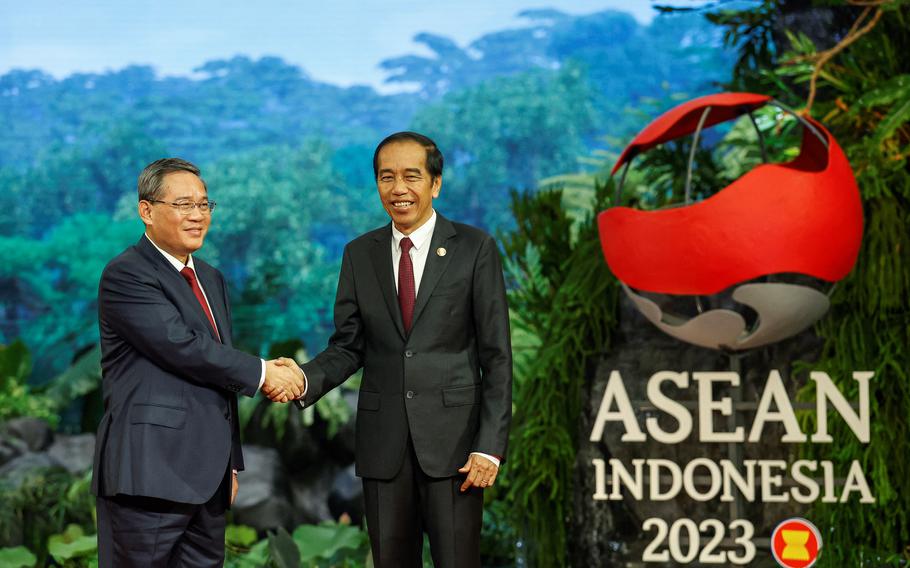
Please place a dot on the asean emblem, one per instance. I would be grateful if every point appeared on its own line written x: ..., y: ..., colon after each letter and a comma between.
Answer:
x: 730, y: 271
x: 796, y: 543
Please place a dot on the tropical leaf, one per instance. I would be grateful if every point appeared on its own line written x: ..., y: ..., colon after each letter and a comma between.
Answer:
x: 18, y: 557
x: 240, y: 535
x: 283, y: 550
x: 325, y: 540
x: 73, y: 543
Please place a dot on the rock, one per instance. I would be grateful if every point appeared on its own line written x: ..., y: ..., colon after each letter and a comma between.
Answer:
x: 36, y: 433
x: 340, y: 446
x: 347, y: 496
x: 74, y: 453
x: 262, y: 501
x: 16, y: 471
x: 310, y: 492
x: 11, y: 448
x: 298, y: 446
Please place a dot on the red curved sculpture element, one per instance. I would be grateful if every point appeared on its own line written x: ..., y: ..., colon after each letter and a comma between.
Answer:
x: 803, y: 216
x: 683, y: 119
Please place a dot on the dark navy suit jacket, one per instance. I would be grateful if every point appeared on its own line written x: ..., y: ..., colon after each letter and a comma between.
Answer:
x: 448, y: 383
x: 170, y: 427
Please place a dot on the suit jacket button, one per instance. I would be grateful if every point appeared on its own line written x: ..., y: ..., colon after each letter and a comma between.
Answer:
x: 408, y: 353
x: 410, y: 394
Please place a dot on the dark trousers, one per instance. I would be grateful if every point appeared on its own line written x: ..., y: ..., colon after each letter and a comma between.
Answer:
x: 144, y: 532
x: 401, y: 509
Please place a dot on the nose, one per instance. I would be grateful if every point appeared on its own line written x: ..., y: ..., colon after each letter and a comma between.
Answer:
x: 196, y: 214
x: 400, y: 187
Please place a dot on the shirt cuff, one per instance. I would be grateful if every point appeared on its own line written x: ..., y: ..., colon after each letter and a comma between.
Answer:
x: 493, y: 459
x: 262, y: 374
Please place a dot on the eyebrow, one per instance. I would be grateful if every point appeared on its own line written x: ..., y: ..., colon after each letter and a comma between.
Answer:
x: 189, y: 197
x: 407, y: 171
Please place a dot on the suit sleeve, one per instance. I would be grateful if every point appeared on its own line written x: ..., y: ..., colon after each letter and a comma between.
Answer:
x: 491, y: 327
x: 344, y: 354
x: 136, y: 308
x: 236, y: 445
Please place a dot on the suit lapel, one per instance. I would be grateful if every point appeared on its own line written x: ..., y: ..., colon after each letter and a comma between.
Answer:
x: 381, y: 256
x: 217, y: 303
x: 436, y: 265
x: 175, y: 281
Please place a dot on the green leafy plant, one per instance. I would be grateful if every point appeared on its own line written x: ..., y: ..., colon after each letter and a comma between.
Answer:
x: 73, y: 547
x: 326, y: 545
x: 857, y: 81
x: 17, y: 557
x: 567, y: 303
x: 17, y: 398
x: 325, y: 541
x: 44, y: 504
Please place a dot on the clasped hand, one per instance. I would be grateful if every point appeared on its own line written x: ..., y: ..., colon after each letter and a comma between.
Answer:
x: 284, y: 380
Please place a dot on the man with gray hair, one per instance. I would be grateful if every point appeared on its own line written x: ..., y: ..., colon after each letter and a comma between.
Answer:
x: 168, y: 445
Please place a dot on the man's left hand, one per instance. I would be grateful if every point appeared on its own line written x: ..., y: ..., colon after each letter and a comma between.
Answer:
x: 235, y: 485
x: 481, y: 473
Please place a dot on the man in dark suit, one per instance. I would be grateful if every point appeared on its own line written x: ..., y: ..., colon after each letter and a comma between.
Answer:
x: 421, y: 306
x: 168, y: 446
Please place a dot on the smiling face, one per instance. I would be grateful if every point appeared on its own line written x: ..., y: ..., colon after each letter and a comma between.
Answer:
x: 178, y: 234
x: 405, y: 187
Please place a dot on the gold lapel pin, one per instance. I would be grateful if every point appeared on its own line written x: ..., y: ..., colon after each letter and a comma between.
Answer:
x: 441, y: 251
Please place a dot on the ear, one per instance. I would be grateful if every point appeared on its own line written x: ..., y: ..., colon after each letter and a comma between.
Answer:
x: 437, y: 185
x: 145, y: 212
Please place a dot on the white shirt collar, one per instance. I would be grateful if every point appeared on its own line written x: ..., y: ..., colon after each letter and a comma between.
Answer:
x: 419, y: 237
x: 175, y: 262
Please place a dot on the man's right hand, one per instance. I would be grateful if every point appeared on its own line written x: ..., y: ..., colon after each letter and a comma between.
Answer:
x: 282, y: 383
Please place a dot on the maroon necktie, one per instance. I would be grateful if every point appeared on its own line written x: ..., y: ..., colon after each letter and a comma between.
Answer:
x: 406, y: 291
x: 190, y: 277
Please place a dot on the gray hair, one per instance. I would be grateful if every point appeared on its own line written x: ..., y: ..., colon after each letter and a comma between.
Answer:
x: 152, y: 177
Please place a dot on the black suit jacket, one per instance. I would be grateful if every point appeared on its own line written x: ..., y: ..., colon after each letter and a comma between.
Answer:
x: 170, y: 425
x: 449, y: 381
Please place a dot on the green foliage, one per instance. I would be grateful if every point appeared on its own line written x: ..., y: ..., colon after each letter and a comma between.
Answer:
x: 326, y: 545
x: 277, y: 208
x: 42, y: 505
x: 17, y: 557
x: 52, y: 277
x: 324, y: 541
x: 283, y: 550
x: 498, y: 536
x: 78, y: 380
x: 16, y: 397
x: 864, y: 99
x: 256, y: 557
x: 73, y: 547
x: 507, y: 132
x: 239, y: 536
x: 567, y: 302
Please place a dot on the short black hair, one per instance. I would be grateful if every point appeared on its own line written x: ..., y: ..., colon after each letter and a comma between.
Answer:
x: 434, y: 156
x: 151, y: 179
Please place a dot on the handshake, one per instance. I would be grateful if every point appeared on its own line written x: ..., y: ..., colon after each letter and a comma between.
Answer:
x: 284, y: 380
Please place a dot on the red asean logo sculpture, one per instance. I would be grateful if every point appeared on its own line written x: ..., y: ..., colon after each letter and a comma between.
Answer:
x: 803, y: 217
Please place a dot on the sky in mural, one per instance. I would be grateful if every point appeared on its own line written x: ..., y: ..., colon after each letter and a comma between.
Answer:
x: 340, y: 42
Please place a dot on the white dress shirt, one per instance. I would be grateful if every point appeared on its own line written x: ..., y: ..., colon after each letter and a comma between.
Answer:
x: 421, y: 237
x: 178, y: 266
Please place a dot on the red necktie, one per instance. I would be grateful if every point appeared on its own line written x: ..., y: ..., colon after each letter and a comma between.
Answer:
x: 406, y: 291
x: 190, y: 277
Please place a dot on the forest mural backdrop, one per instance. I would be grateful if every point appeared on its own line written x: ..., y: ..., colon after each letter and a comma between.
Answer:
x: 530, y: 119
